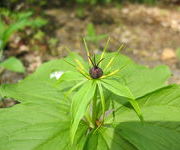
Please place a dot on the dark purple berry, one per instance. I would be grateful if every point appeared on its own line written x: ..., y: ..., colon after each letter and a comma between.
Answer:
x: 95, y: 72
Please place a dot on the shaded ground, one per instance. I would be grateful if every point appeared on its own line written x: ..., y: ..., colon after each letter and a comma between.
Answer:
x: 152, y: 34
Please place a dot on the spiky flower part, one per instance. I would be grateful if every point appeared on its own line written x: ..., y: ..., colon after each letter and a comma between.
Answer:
x: 95, y: 72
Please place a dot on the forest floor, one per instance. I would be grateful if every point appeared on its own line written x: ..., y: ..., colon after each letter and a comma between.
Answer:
x: 151, y: 35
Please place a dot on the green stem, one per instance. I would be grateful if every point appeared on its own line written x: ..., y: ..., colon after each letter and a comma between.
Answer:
x: 88, y: 119
x: 94, y: 109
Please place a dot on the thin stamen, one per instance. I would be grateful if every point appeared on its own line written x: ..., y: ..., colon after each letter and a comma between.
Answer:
x: 110, y: 74
x: 87, y: 50
x: 79, y: 64
x: 69, y: 63
x: 95, y: 60
x: 83, y: 73
x: 91, y: 61
x: 100, y: 61
x: 112, y: 59
x: 105, y: 48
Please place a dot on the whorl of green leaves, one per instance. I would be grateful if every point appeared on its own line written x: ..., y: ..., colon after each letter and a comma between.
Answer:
x: 54, y: 112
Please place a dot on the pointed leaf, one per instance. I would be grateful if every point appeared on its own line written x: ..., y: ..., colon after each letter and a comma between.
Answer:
x: 149, y: 136
x: 40, y: 121
x: 107, y: 139
x: 121, y: 90
x: 71, y: 76
x: 13, y: 64
x: 31, y: 91
x: 46, y: 69
x: 80, y: 102
x: 102, y: 98
x: 160, y: 130
x: 136, y: 76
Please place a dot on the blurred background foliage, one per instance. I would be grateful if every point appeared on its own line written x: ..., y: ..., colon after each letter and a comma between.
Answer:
x: 47, y: 3
x: 35, y: 31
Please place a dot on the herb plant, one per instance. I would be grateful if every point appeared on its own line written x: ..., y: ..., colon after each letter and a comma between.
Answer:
x: 64, y: 107
x: 92, y: 36
x: 11, y: 22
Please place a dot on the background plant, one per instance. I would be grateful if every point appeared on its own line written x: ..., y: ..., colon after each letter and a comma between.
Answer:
x: 92, y: 36
x: 45, y: 3
x: 11, y: 22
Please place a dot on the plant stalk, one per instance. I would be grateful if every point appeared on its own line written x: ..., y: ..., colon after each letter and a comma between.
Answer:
x: 94, y: 109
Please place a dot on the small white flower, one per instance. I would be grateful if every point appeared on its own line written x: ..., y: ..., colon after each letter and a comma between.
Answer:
x: 56, y: 74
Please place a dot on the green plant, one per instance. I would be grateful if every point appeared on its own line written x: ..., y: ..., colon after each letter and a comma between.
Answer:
x: 53, y: 42
x: 13, y: 64
x: 80, y: 12
x: 92, y: 2
x: 27, y: 3
x: 39, y: 35
x: 11, y: 22
x: 150, y: 2
x: 92, y: 35
x: 129, y: 107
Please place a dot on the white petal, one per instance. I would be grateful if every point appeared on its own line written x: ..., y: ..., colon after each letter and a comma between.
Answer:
x: 56, y: 74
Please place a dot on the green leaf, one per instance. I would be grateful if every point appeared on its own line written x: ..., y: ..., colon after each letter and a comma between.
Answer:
x: 45, y: 70
x: 31, y: 126
x: 91, y: 30
x: 160, y: 130
x: 121, y: 90
x: 136, y: 76
x: 22, y: 15
x: 32, y: 91
x: 107, y: 139
x: 117, y: 88
x: 13, y: 64
x: 18, y: 22
x: 40, y: 122
x: 91, y: 34
x: 161, y: 105
x: 71, y: 76
x: 5, y: 12
x: 38, y: 22
x: 80, y: 102
x: 92, y: 141
x: 43, y: 120
x: 96, y: 38
x: 96, y: 141
x: 153, y: 79
x: 2, y: 27
x: 149, y: 136
x: 37, y: 127
x: 102, y: 98
x: 13, y: 28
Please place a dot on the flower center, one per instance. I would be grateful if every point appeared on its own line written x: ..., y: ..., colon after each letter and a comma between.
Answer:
x: 95, y: 72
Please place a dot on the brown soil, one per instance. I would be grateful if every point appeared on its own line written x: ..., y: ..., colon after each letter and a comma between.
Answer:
x: 151, y: 34
x: 147, y: 31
